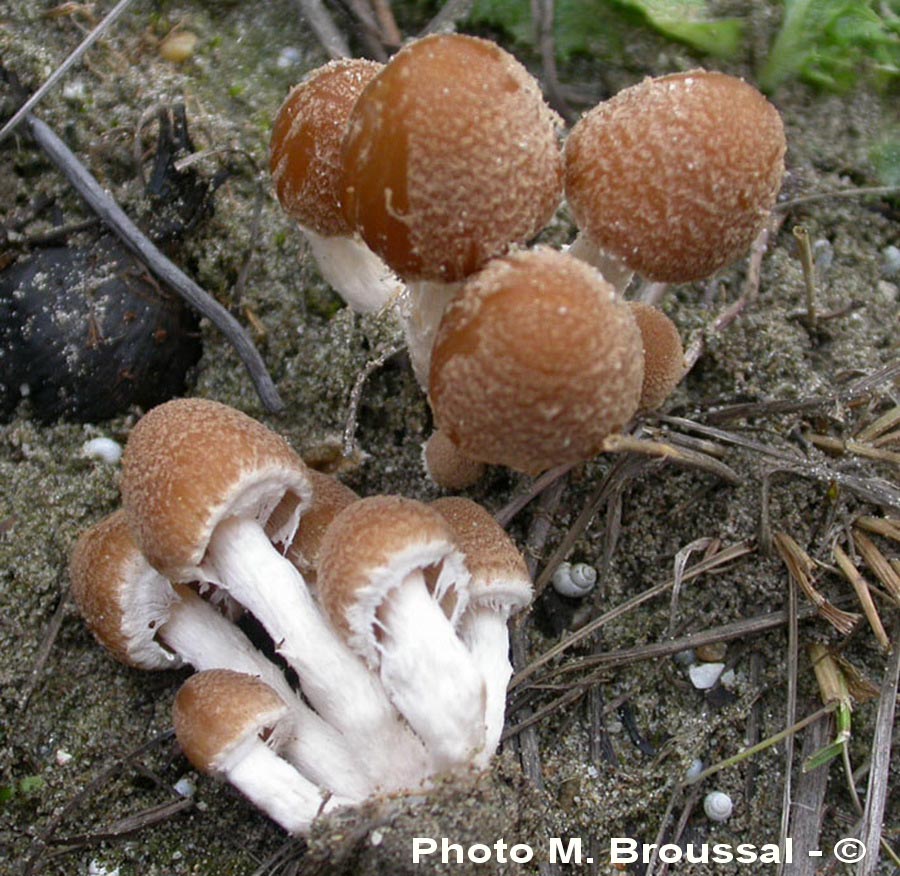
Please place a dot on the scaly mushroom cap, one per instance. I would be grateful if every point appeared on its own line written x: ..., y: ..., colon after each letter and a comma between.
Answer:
x: 329, y: 497
x: 447, y: 465
x: 663, y: 354
x: 451, y: 155
x: 120, y: 596
x: 535, y: 362
x: 500, y: 578
x: 676, y: 175
x: 188, y: 465
x: 217, y: 710
x: 370, y: 548
x: 305, y: 149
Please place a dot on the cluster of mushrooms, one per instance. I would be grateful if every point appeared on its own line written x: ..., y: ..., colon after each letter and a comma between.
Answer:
x: 392, y: 614
x: 419, y: 183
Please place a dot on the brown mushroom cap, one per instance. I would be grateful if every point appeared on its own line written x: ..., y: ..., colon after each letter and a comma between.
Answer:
x: 676, y: 175
x: 369, y: 549
x: 663, y: 354
x: 120, y: 596
x: 305, y: 149
x: 216, y: 710
x: 188, y: 465
x: 451, y: 155
x: 499, y: 575
x: 447, y: 466
x: 535, y: 362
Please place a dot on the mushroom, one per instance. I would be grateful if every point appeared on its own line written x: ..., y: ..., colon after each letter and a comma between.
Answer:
x: 451, y: 155
x: 535, y: 363
x: 447, y: 466
x: 389, y: 571
x: 663, y: 354
x: 231, y: 725
x: 673, y: 177
x: 146, y: 623
x: 499, y: 587
x: 199, y: 482
x: 305, y: 163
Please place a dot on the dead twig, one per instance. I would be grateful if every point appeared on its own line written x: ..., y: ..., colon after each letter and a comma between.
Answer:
x: 114, y: 216
x: 323, y: 26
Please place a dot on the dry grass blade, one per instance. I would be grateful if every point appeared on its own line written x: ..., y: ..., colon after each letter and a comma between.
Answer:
x: 886, y: 422
x: 679, y: 455
x: 838, y: 447
x: 861, y: 586
x: 800, y: 566
x: 707, y: 564
x: 876, y: 794
x: 885, y: 526
x: 878, y: 563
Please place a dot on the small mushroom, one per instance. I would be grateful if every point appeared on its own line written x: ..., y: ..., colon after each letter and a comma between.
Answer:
x: 231, y: 725
x: 663, y: 354
x: 451, y: 156
x: 447, y: 466
x: 388, y: 568
x: 499, y: 587
x: 305, y: 162
x: 673, y: 177
x: 200, y: 481
x: 536, y: 362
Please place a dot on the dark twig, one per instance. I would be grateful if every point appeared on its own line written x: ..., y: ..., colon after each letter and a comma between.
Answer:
x: 44, y: 651
x: 450, y: 13
x: 113, y: 215
x: 542, y: 14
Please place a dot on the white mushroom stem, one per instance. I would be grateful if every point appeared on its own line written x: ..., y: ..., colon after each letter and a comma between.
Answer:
x: 356, y: 273
x: 336, y: 682
x: 276, y: 787
x: 201, y: 636
x: 424, y: 306
x: 611, y: 267
x: 428, y: 673
x: 485, y: 633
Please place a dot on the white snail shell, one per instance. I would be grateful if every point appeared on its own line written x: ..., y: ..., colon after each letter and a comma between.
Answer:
x: 575, y: 580
x: 718, y: 806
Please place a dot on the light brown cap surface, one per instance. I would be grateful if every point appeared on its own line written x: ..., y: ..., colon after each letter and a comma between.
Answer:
x: 499, y: 575
x: 447, y: 465
x: 216, y: 710
x: 119, y: 595
x: 189, y: 464
x: 676, y: 175
x: 451, y: 155
x: 663, y: 354
x: 535, y: 362
x: 368, y: 550
x: 305, y: 149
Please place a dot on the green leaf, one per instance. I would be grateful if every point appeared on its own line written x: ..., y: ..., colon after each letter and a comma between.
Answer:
x: 829, y: 43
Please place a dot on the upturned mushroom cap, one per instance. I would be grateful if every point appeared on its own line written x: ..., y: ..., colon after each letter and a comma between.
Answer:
x: 191, y: 463
x: 535, y: 362
x: 451, y: 155
x: 676, y: 175
x: 499, y: 576
x: 122, y: 599
x: 663, y: 354
x: 305, y: 149
x: 370, y: 548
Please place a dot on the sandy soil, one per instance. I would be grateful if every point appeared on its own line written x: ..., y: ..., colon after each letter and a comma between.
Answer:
x: 84, y: 759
